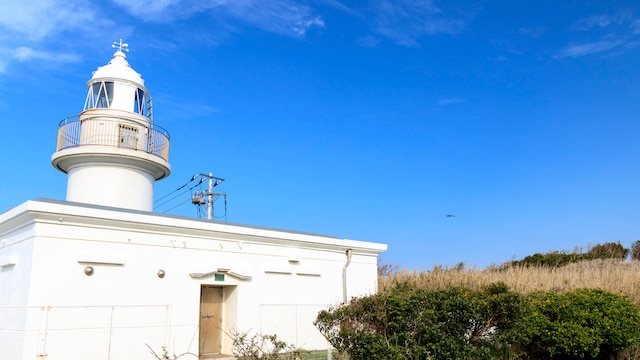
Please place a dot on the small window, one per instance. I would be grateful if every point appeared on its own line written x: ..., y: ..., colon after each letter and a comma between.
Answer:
x: 218, y: 277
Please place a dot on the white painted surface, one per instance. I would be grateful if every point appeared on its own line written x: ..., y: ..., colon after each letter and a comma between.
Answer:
x: 117, y: 68
x: 111, y: 185
x: 52, y: 242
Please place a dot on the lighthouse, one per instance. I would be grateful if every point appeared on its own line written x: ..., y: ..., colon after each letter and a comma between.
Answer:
x: 101, y: 274
x: 113, y: 152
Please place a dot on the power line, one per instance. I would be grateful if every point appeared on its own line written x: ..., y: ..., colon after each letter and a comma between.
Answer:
x: 182, y: 203
x: 202, y: 198
x: 178, y: 189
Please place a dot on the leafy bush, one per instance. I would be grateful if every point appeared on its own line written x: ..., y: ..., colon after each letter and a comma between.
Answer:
x: 581, y: 324
x: 551, y: 259
x: 608, y: 250
x: 635, y: 250
x: 263, y: 347
x: 409, y: 323
x: 493, y: 323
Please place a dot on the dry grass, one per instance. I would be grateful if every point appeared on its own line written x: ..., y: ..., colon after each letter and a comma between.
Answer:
x: 616, y: 276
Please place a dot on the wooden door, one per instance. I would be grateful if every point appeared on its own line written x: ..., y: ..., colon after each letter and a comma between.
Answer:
x: 210, y: 321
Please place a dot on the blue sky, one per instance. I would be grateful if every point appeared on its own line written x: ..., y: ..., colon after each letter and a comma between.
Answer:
x: 368, y: 120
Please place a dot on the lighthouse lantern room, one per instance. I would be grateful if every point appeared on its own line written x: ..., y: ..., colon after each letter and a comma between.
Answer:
x: 112, y: 151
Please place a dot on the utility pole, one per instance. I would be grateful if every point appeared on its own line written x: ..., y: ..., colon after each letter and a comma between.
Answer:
x: 210, y: 198
x: 199, y: 197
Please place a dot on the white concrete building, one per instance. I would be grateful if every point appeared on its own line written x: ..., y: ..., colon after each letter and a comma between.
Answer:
x: 100, y: 276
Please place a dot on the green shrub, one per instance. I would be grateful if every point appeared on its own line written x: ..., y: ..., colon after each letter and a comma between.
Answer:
x: 551, y: 259
x: 581, y: 324
x: 608, y: 251
x: 635, y: 250
x: 493, y: 323
x: 248, y: 346
x: 409, y: 323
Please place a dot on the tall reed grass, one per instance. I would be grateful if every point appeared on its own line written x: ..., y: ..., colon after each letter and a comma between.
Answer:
x: 613, y: 275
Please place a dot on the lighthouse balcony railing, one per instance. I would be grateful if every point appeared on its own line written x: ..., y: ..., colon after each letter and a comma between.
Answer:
x: 123, y: 133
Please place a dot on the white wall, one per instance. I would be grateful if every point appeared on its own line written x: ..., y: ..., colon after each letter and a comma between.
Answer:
x: 292, y: 275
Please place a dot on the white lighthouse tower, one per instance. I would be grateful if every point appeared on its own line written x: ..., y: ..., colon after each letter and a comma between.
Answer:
x: 112, y: 151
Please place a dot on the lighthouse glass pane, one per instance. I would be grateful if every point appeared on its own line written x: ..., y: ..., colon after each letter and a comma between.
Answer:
x: 102, y: 94
x: 139, y: 104
x: 136, y: 103
x: 98, y: 99
x: 109, y: 88
x: 88, y: 103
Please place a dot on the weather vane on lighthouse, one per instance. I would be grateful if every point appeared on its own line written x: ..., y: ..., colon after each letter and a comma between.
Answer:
x: 120, y: 46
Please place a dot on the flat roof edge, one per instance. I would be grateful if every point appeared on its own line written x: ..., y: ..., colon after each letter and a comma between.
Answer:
x: 105, y: 213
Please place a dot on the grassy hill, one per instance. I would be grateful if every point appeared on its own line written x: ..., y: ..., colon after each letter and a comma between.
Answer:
x: 613, y: 275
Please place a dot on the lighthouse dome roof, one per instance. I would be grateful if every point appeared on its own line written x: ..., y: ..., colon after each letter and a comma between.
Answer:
x: 118, y: 68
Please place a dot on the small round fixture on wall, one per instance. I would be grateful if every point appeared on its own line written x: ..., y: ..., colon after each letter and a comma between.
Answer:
x: 161, y: 273
x: 88, y: 270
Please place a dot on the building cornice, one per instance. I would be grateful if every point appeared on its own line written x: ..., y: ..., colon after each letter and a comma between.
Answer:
x: 85, y: 215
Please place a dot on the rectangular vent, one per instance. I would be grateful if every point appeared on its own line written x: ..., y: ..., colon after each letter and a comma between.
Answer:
x: 128, y: 137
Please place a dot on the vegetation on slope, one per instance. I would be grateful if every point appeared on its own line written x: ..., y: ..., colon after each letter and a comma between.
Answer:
x: 556, y: 259
x: 579, y: 305
x: 494, y: 322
